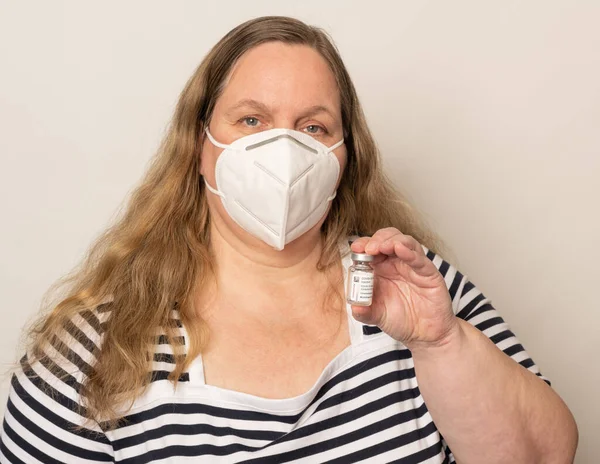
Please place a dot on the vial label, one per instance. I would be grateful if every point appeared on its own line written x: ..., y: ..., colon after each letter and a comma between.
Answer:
x: 361, y: 287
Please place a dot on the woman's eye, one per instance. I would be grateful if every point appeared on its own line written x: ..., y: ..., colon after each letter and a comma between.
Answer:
x: 250, y: 121
x: 314, y: 129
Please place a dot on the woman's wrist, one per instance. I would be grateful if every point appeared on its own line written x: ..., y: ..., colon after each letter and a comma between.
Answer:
x: 452, y: 339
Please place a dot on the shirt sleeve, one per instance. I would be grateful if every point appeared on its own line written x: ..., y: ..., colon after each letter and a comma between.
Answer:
x: 45, y: 421
x: 472, y: 306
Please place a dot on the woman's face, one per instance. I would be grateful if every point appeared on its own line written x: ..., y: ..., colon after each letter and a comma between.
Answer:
x: 273, y: 85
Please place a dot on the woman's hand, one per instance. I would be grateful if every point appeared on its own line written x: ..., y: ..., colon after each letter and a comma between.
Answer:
x: 411, y: 302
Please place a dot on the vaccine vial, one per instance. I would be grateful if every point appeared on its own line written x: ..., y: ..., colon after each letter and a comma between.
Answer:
x: 360, y: 280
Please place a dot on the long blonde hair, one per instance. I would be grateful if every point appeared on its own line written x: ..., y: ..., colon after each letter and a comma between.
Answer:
x: 157, y: 253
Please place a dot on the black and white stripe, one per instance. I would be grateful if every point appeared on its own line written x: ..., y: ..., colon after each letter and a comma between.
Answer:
x: 366, y: 407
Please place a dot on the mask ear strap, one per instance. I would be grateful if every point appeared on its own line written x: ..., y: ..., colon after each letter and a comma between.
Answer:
x: 213, y: 141
x: 331, y: 148
x: 336, y: 145
x: 215, y: 191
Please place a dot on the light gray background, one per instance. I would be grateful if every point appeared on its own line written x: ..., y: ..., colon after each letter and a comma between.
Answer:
x: 487, y: 114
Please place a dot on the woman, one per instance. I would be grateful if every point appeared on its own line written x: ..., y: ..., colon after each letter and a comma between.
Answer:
x: 210, y: 323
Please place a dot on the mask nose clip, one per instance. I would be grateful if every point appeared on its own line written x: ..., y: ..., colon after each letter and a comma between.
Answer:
x: 279, y: 137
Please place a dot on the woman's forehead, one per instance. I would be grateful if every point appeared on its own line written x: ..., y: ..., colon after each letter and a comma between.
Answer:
x: 282, y: 75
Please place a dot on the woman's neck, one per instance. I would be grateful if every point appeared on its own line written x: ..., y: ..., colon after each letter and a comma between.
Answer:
x: 263, y: 283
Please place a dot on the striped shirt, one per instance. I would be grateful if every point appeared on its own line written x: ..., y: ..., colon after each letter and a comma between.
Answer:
x: 365, y: 406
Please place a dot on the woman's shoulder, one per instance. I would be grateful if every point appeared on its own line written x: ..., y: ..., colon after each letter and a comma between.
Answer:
x: 68, y: 349
x: 463, y: 293
x: 45, y: 410
x: 87, y: 327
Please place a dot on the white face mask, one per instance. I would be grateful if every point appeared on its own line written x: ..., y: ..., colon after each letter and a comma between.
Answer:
x: 276, y: 184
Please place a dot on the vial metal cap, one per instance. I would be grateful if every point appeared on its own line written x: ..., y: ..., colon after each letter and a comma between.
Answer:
x: 362, y: 257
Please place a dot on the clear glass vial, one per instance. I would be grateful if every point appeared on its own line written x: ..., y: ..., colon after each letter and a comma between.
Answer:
x: 360, y: 280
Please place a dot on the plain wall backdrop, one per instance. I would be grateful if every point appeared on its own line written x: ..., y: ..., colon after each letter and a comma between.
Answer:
x: 487, y: 114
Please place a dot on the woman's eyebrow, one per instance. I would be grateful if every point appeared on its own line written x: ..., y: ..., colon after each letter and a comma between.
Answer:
x: 250, y: 103
x: 262, y: 108
x: 314, y: 110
